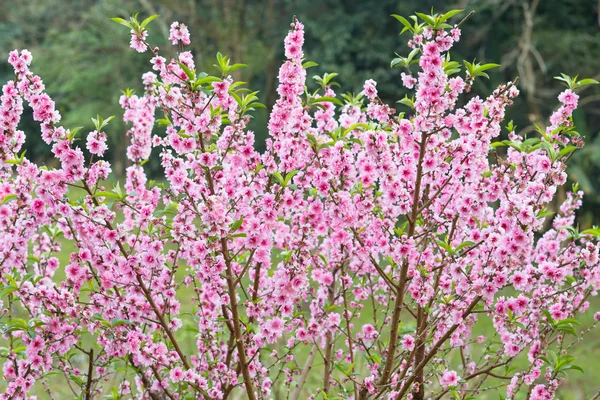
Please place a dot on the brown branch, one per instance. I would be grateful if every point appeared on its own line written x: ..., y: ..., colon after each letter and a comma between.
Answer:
x: 419, y: 368
x: 327, y: 359
x: 88, y: 386
x: 148, y: 296
x: 305, y: 371
x: 145, y: 382
x: 391, y: 350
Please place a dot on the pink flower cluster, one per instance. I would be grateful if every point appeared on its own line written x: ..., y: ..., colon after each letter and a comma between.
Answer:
x: 138, y: 41
x: 179, y: 32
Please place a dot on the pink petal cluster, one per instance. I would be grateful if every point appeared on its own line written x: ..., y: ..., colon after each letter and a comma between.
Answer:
x: 179, y: 33
x: 138, y: 41
x: 449, y: 379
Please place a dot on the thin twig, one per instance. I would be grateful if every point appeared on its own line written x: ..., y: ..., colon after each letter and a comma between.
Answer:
x: 88, y: 387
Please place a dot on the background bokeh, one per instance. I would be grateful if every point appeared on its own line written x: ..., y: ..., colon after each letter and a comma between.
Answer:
x: 85, y: 62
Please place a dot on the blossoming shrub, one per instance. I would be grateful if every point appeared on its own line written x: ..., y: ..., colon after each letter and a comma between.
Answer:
x: 351, y: 260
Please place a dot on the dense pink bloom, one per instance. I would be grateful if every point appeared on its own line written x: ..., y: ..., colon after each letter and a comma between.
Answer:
x: 96, y: 143
x: 408, y: 342
x: 179, y: 32
x: 138, y: 41
x: 408, y: 80
x: 369, y: 89
x: 354, y: 227
x: 449, y: 378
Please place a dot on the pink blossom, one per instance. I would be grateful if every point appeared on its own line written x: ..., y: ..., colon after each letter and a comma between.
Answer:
x: 179, y: 32
x: 449, y: 379
x: 408, y: 342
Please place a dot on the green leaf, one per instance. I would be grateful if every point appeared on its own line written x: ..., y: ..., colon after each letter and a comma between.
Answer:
x: 588, y: 81
x: 236, y: 67
x: 544, y: 213
x: 375, y: 358
x: 402, y: 330
x: 407, y: 25
x: 169, y: 210
x: 445, y: 246
x: 119, y: 322
x: 450, y: 14
x: 256, y: 105
x: 278, y: 177
x: 128, y: 92
x: 164, y: 121
x: 548, y: 316
x: 107, y: 194
x: 407, y: 102
x: 427, y: 18
x: 530, y: 142
x: 106, y: 121
x: 223, y: 63
x: 309, y: 64
x: 511, y: 126
x: 569, y: 367
x: 99, y: 124
x: 485, y: 67
x: 7, y: 290
x: 566, y: 79
x: 548, y: 147
x: 289, y: 176
x: 326, y: 79
x: 476, y: 69
x: 207, y: 79
x: 7, y: 198
x: 566, y: 151
x: 573, y: 83
x: 327, y: 99
x: 77, y: 380
x: 463, y: 245
x: 191, y: 75
x: 15, y: 324
x: 148, y: 20
x: 592, y: 231
x: 450, y: 67
x: 567, y: 329
x: 236, y: 225
x: 571, y: 321
x: 123, y: 22
x: 395, y: 61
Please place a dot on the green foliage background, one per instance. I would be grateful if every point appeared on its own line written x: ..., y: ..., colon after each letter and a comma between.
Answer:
x: 85, y: 62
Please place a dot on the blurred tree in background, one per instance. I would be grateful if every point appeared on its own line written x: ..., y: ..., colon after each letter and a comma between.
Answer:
x: 84, y: 60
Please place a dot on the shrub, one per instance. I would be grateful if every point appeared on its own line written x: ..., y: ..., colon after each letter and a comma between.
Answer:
x: 352, y: 259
